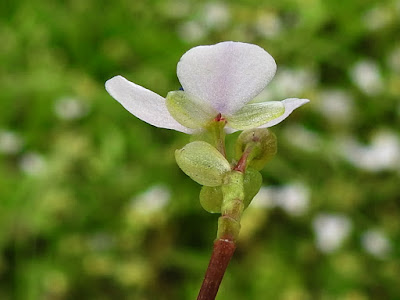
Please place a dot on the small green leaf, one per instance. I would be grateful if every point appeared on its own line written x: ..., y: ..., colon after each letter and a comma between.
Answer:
x: 203, y: 163
x: 211, y: 198
x: 252, y: 184
x: 188, y: 110
x: 256, y: 114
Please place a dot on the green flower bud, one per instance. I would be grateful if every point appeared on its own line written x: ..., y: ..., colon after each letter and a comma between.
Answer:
x: 211, y: 198
x: 261, y: 144
x: 252, y: 182
x: 203, y: 163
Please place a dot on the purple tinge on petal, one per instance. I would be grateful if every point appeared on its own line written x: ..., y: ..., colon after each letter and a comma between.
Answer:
x: 226, y: 75
x: 143, y: 103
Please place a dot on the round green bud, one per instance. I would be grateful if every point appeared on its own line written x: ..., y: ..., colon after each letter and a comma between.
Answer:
x: 211, y: 198
x: 203, y: 163
x: 261, y: 143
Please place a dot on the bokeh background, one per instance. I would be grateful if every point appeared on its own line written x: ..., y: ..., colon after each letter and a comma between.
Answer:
x: 93, y: 205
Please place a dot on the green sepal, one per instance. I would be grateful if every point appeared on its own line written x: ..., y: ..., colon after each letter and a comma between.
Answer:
x: 188, y: 110
x: 252, y: 182
x: 255, y: 114
x: 211, y: 198
x: 203, y: 163
x: 213, y: 133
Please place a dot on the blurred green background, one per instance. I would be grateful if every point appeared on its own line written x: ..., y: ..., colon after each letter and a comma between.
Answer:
x: 92, y: 204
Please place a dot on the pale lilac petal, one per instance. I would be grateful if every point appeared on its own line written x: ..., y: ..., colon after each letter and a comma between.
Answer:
x: 290, y: 105
x: 226, y: 75
x: 143, y: 103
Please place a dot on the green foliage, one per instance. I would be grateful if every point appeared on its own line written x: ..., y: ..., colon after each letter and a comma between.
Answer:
x: 92, y: 203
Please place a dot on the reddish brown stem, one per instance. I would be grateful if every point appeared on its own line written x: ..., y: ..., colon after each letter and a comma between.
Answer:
x: 222, y: 253
x: 242, y: 163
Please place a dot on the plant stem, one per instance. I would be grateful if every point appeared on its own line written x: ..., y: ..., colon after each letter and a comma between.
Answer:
x: 242, y: 163
x: 222, y: 253
x: 228, y: 231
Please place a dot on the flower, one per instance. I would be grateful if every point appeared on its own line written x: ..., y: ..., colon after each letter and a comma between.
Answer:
x: 376, y: 243
x: 218, y: 81
x: 383, y: 153
x: 293, y: 198
x: 10, y: 142
x: 70, y: 108
x: 331, y: 230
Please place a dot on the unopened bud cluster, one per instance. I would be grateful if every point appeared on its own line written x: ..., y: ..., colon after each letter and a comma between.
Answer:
x: 207, y: 166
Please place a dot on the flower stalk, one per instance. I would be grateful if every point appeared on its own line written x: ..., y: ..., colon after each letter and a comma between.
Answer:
x: 222, y: 253
x: 227, y: 234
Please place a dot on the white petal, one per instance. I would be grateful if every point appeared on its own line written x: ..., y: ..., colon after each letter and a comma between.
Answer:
x: 290, y: 105
x: 142, y: 103
x: 226, y: 75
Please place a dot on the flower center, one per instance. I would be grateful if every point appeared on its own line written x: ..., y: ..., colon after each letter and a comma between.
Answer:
x: 219, y: 118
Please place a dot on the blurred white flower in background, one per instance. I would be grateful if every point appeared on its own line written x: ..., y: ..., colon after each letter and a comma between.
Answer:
x: 70, y: 108
x: 302, y: 138
x: 367, y: 77
x: 263, y: 198
x: 294, y: 81
x: 152, y: 200
x: 191, y: 31
x: 32, y: 164
x: 268, y: 25
x: 382, y: 154
x: 376, y: 243
x: 330, y: 231
x: 377, y: 18
x: 216, y: 15
x: 293, y: 198
x: 213, y: 16
x: 336, y: 105
x: 288, y: 82
x: 10, y: 142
